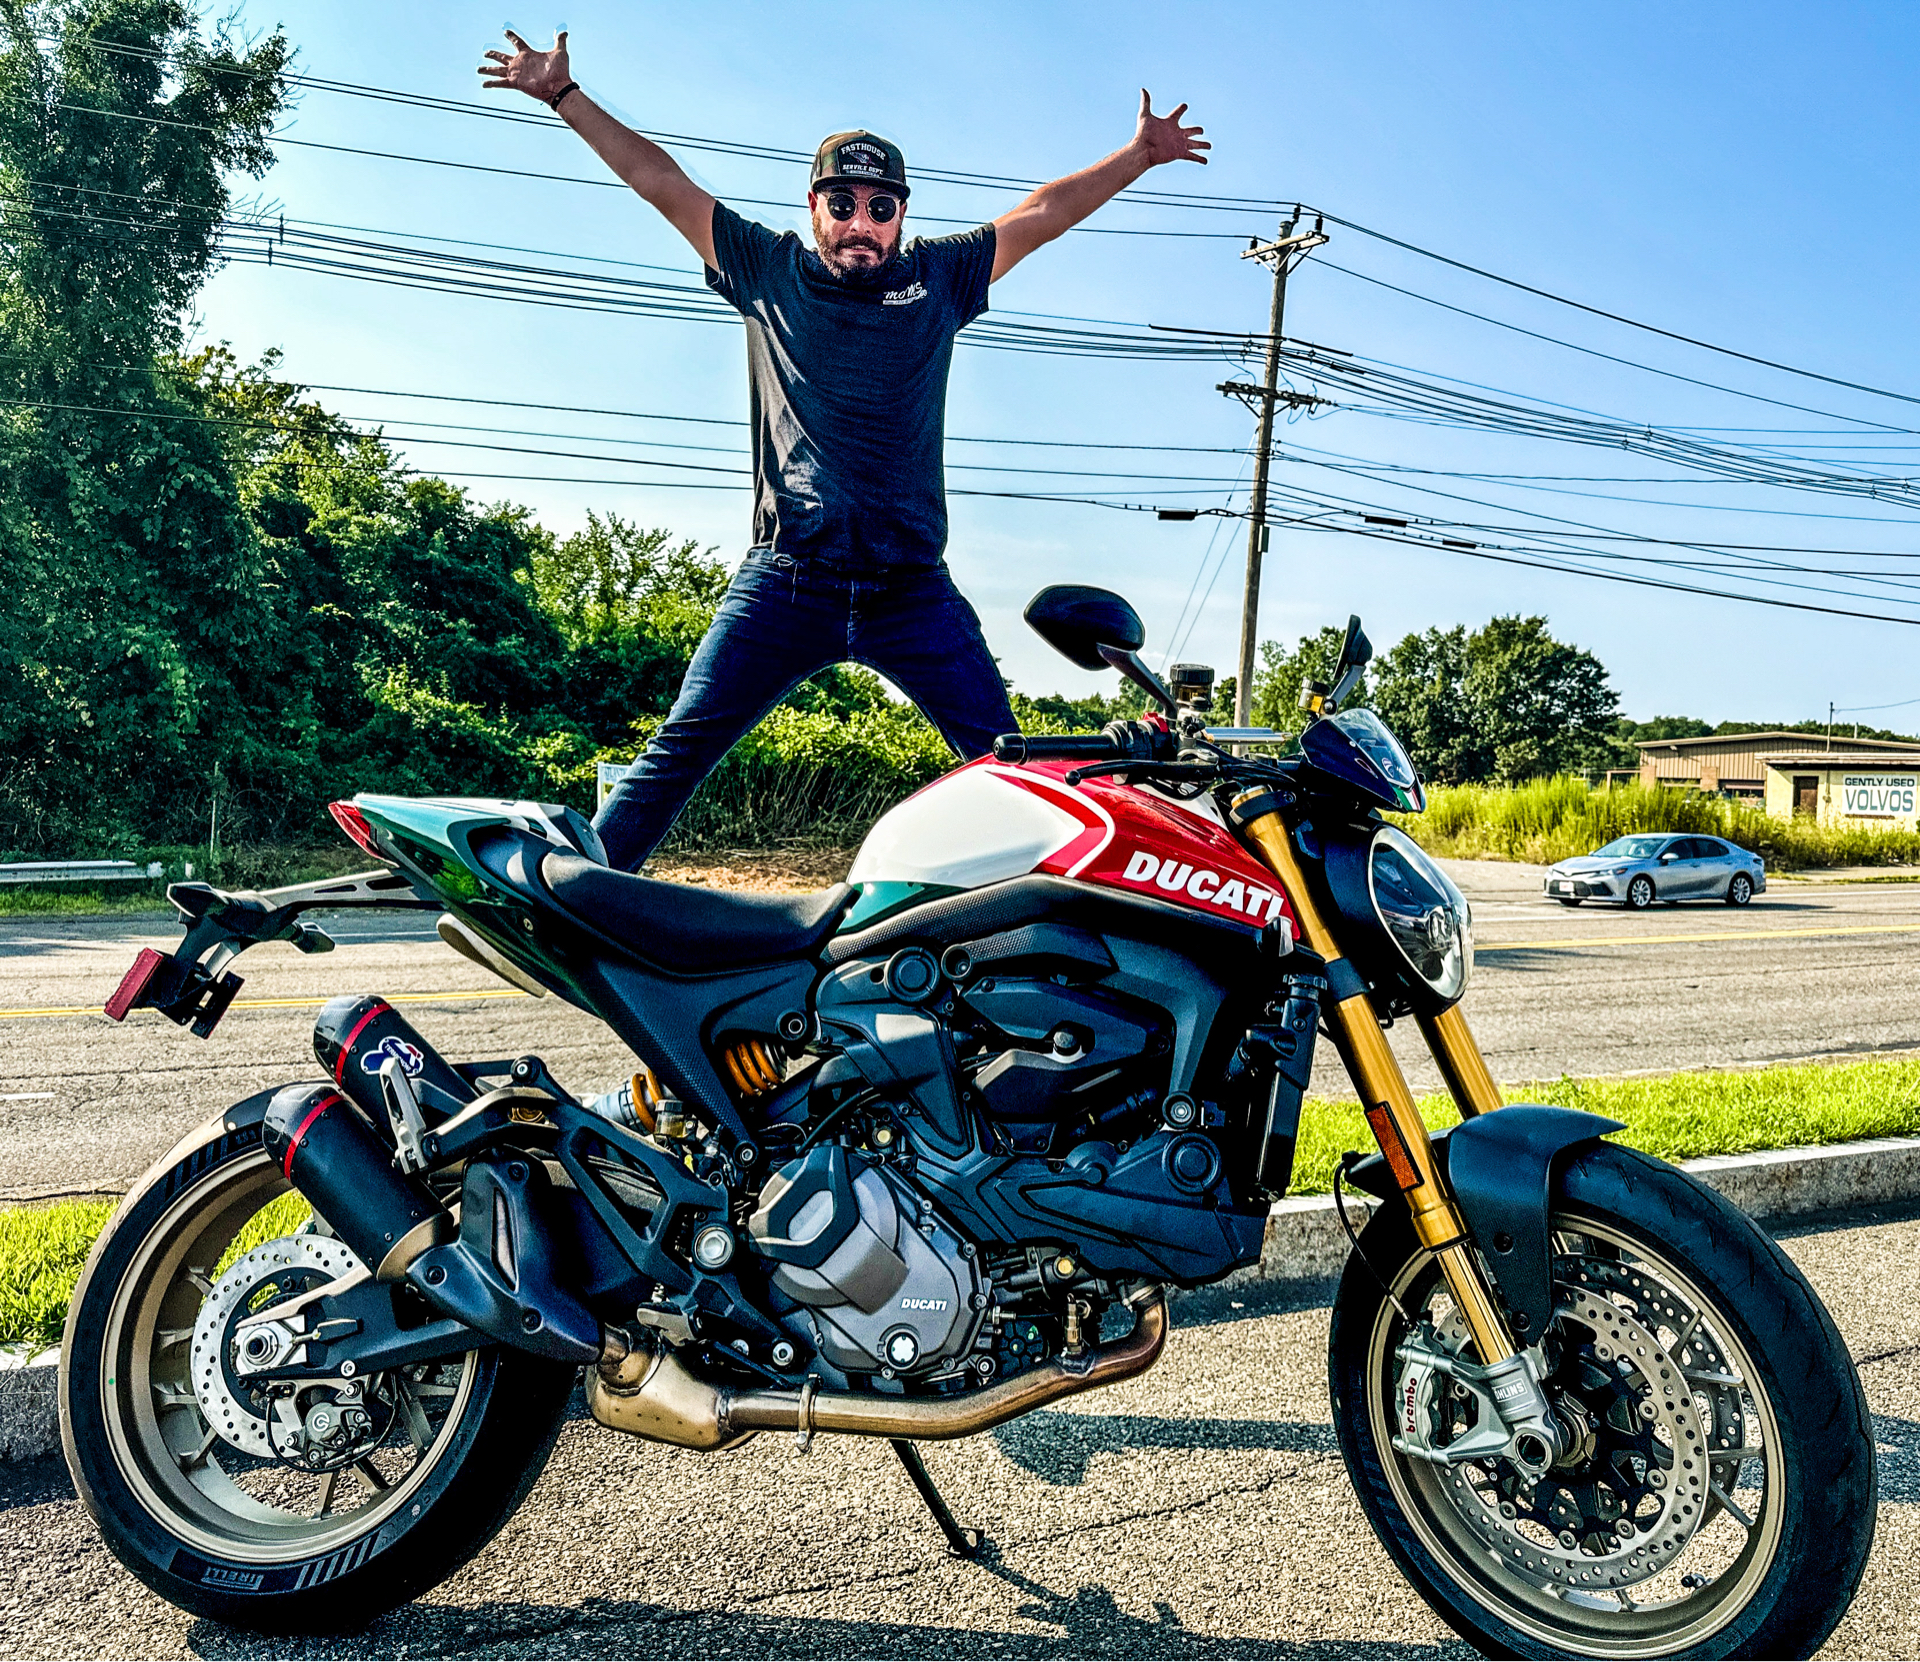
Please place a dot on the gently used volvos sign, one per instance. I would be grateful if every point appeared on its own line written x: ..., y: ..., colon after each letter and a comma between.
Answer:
x: 1176, y: 876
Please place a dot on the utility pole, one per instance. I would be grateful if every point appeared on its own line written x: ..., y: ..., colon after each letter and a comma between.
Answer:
x: 1280, y: 256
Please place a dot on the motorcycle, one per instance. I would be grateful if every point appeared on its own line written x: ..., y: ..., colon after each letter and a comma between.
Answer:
x: 926, y: 1152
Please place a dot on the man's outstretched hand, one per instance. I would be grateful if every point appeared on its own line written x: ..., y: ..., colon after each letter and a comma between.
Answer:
x: 539, y: 74
x: 1160, y: 138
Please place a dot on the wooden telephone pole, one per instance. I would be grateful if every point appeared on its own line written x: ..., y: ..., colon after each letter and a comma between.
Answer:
x: 1280, y: 256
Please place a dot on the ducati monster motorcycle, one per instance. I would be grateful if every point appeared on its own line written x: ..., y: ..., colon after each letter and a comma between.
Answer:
x: 924, y: 1153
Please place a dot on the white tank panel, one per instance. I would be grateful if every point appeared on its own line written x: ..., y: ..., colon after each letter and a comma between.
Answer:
x: 962, y: 831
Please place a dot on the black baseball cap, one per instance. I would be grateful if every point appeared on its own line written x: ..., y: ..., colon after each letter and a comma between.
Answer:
x: 859, y: 158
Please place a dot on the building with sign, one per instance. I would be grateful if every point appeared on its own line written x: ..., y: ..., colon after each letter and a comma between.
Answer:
x: 1869, y: 788
x: 1737, y: 764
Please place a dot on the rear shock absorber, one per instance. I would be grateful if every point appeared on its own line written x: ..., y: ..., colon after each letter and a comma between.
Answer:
x: 754, y: 1066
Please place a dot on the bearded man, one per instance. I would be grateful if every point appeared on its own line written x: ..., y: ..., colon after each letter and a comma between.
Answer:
x: 848, y: 347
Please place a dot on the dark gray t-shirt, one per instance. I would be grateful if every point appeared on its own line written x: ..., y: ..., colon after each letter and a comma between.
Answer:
x: 849, y: 390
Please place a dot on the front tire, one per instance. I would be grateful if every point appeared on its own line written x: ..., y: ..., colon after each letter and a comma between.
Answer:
x: 1766, y: 1563
x: 1640, y: 893
x: 246, y: 1539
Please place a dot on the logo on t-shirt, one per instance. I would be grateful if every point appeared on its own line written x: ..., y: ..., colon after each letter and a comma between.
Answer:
x: 904, y: 297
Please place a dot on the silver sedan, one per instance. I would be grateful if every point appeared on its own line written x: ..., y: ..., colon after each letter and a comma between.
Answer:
x: 1637, y: 870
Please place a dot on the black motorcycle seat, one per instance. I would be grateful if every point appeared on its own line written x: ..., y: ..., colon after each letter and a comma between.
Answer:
x: 680, y: 927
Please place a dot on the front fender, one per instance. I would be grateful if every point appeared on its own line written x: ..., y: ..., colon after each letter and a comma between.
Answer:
x: 1500, y: 1168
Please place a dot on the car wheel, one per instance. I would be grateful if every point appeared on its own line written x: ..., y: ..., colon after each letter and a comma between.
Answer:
x: 1740, y: 890
x: 1640, y: 893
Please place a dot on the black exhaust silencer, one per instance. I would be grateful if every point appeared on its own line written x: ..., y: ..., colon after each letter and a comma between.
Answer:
x: 357, y: 1033
x: 330, y: 1153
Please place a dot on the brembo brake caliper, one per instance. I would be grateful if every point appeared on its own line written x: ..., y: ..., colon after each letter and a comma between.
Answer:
x: 1514, y: 1419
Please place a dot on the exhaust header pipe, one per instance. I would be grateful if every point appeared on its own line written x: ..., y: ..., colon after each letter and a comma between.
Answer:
x: 643, y: 1388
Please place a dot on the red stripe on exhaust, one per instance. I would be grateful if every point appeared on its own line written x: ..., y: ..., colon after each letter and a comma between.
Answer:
x: 293, y: 1142
x: 346, y: 1044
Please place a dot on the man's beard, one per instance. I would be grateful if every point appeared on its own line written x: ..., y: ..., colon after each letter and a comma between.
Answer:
x: 856, y: 276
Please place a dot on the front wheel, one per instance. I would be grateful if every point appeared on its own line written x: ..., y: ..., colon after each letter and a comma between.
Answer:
x: 1718, y: 1499
x: 1640, y: 893
x: 220, y: 1495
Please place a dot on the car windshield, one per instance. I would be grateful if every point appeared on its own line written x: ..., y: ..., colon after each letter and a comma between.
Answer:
x: 1630, y: 848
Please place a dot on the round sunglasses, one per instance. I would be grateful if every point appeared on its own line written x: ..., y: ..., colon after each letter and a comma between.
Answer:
x: 881, y: 208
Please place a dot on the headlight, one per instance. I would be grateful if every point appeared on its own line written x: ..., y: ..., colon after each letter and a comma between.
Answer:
x: 1425, y: 916
x: 1618, y: 871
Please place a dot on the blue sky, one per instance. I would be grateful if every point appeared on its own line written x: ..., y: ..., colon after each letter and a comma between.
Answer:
x: 1739, y: 173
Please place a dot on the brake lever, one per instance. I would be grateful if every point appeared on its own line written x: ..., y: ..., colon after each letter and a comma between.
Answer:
x: 1163, y: 770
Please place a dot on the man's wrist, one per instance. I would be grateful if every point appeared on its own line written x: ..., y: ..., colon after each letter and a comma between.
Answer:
x: 553, y: 103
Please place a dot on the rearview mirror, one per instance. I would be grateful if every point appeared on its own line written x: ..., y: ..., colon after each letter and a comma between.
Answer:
x: 1356, y: 652
x: 1076, y: 621
x: 1095, y: 629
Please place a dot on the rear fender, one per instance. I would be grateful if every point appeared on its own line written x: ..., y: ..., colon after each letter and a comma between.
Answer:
x: 1501, y: 1168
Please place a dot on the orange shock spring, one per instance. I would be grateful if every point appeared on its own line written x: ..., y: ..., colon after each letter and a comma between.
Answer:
x: 754, y: 1067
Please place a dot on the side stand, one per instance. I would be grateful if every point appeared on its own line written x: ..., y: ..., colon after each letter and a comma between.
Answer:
x: 963, y: 1543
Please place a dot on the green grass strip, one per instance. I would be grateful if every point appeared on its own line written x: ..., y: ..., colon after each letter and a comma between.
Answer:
x: 44, y: 1248
x: 1678, y: 1117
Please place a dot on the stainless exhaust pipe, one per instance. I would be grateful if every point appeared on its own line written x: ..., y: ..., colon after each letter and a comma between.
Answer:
x: 646, y: 1390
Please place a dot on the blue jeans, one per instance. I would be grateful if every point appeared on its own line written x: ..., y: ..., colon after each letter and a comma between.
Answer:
x: 783, y: 621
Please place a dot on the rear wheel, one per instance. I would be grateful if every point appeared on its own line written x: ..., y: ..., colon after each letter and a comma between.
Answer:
x: 1719, y: 1497
x: 230, y: 1505
x: 1740, y: 890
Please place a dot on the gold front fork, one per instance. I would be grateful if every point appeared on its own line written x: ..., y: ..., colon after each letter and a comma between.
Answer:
x: 1388, y: 1099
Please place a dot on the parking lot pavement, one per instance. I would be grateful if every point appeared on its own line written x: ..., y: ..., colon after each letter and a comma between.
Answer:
x: 1200, y: 1511
x: 87, y: 1105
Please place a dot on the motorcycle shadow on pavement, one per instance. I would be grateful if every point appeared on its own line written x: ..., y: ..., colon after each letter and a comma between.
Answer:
x: 1088, y: 1620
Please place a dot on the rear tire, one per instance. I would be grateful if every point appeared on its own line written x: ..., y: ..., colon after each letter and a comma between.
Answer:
x: 244, y: 1539
x: 1766, y: 1367
x: 1740, y: 890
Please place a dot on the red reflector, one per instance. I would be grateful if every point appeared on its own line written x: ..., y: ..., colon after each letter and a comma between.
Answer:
x: 134, y: 983
x: 354, y: 823
x: 1393, y: 1146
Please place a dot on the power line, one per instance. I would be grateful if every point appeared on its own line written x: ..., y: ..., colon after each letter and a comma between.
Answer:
x: 1617, y: 317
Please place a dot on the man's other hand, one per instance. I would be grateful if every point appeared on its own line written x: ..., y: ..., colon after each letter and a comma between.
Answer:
x: 542, y: 74
x: 1159, y: 138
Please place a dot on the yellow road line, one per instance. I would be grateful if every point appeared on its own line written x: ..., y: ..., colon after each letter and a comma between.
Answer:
x: 1691, y: 940
x: 282, y: 1003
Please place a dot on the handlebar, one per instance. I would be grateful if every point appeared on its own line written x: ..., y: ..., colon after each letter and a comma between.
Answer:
x: 1051, y: 747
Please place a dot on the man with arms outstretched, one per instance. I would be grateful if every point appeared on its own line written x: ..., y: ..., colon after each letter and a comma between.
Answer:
x: 848, y: 347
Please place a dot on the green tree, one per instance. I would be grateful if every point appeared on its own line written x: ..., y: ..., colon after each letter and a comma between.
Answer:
x: 1503, y: 702
x: 1420, y: 692
x: 133, y: 597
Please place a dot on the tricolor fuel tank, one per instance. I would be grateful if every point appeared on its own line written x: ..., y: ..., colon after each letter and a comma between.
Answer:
x: 990, y: 821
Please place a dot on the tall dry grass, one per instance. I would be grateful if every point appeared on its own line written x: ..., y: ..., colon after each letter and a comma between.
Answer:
x: 1554, y: 819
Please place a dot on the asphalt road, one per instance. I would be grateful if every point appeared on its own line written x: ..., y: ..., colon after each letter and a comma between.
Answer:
x: 86, y: 1105
x: 1200, y: 1511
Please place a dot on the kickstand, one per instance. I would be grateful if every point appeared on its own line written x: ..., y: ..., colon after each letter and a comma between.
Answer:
x: 963, y: 1543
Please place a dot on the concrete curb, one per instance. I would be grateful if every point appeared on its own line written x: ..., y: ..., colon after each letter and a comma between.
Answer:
x: 1304, y: 1244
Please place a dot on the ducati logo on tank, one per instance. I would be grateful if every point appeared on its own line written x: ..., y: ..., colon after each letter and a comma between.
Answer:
x: 1182, y: 876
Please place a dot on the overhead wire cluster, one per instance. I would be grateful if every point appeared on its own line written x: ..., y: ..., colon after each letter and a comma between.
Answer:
x: 1834, y: 460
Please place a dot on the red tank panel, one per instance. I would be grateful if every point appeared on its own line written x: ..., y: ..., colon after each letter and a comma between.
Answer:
x: 1142, y: 843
